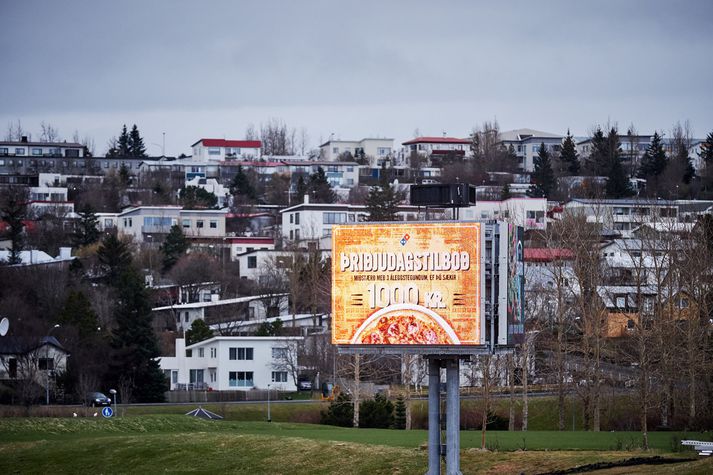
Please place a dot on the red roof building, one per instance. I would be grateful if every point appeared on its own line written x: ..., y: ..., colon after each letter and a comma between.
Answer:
x: 222, y: 149
x: 546, y: 254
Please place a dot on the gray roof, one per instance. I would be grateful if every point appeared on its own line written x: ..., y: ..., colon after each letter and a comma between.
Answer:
x: 625, y: 202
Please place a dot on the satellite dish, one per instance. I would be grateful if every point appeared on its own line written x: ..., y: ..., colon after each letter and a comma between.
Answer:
x: 4, y: 326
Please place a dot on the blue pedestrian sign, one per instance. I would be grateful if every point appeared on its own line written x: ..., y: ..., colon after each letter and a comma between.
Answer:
x: 107, y: 412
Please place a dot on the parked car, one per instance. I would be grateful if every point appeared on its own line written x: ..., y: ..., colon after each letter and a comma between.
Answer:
x: 304, y: 384
x: 96, y: 399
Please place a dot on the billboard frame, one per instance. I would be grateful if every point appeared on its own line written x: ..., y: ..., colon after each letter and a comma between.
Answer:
x: 493, y: 310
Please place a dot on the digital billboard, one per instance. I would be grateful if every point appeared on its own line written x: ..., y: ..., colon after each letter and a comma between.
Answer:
x: 515, y: 286
x: 406, y: 284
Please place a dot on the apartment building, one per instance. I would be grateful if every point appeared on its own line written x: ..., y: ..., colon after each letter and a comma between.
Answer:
x: 152, y: 223
x: 530, y: 213
x: 369, y: 148
x: 527, y: 142
x: 436, y: 146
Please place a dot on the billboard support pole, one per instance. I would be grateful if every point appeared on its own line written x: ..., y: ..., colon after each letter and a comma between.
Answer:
x: 434, y: 416
x: 453, y: 417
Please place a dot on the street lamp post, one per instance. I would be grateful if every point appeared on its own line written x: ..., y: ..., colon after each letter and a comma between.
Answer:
x: 47, y: 366
x: 269, y: 419
x: 113, y: 393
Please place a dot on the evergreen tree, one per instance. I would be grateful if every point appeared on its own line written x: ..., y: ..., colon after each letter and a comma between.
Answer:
x: 124, y: 176
x: 543, y: 178
x: 684, y: 161
x: 78, y: 313
x: 123, y: 149
x: 319, y: 188
x: 86, y: 230
x: 198, y: 332
x: 136, y: 143
x: 618, y: 185
x: 174, y: 247
x: 653, y: 162
x: 242, y: 186
x: 377, y: 413
x: 195, y: 197
x: 301, y: 189
x: 135, y: 347
x: 599, y: 158
x: 400, y: 414
x: 114, y: 255
x: 382, y: 202
x: 512, y: 161
x: 505, y: 193
x: 568, y: 156
x: 706, y: 153
x: 13, y: 210
x: 340, y: 412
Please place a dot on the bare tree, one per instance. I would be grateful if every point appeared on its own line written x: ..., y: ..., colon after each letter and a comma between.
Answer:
x: 15, y: 132
x: 48, y: 133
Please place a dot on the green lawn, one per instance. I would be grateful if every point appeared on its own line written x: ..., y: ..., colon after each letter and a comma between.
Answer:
x: 149, y: 444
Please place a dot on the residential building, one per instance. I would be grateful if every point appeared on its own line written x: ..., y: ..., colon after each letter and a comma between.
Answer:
x: 211, y: 185
x: 372, y: 149
x: 218, y: 150
x: 216, y: 311
x: 624, y: 214
x: 152, y: 223
x: 242, y: 244
x: 436, y: 146
x: 530, y: 213
x: 229, y: 363
x: 25, y: 149
x: 37, y: 257
x: 526, y: 143
x: 37, y: 361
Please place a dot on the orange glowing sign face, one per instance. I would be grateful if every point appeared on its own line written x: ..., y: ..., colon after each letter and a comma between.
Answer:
x: 406, y: 284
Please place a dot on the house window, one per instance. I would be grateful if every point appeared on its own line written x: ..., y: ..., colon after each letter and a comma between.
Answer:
x: 199, y: 223
x: 186, y: 317
x: 292, y: 218
x: 279, y: 376
x: 213, y: 352
x: 196, y: 376
x: 3, y: 151
x: 252, y: 262
x: 37, y: 152
x: 241, y: 379
x: 335, y: 150
x: 213, y: 224
x: 186, y: 223
x: 334, y: 218
x: 297, y: 218
x: 19, y: 151
x: 240, y: 353
x: 683, y: 303
x: 46, y: 364
x: 279, y: 353
x: 621, y: 302
x: 213, y: 151
x: 201, y: 353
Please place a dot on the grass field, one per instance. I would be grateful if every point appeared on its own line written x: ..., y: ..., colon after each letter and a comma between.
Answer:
x: 157, y: 443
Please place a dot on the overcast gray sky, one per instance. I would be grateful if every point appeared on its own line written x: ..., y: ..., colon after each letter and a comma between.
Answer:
x: 197, y: 69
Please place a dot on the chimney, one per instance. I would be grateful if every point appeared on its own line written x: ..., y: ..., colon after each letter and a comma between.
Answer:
x: 214, y: 297
x: 23, y: 139
x: 306, y: 199
x: 65, y: 252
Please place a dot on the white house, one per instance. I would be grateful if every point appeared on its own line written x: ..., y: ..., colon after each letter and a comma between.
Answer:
x: 228, y: 363
x: 38, y: 360
x: 38, y: 150
x: 429, y: 146
x: 526, y: 143
x: 371, y: 148
x: 531, y: 213
x: 248, y: 308
x: 624, y: 214
x: 220, y: 149
x: 211, y: 185
x: 150, y: 223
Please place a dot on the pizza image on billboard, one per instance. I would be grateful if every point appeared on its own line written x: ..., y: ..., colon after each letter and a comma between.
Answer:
x: 406, y: 284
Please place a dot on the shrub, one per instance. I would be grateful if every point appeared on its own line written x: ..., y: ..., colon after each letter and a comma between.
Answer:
x: 400, y: 414
x: 377, y: 413
x: 340, y: 412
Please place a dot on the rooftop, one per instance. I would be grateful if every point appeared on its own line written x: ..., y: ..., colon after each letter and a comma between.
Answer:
x: 525, y: 134
x: 436, y: 140
x: 229, y: 143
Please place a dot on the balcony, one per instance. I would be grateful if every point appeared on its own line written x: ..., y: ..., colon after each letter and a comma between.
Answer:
x: 155, y: 229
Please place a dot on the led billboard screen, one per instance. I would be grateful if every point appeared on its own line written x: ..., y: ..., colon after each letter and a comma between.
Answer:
x: 406, y: 284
